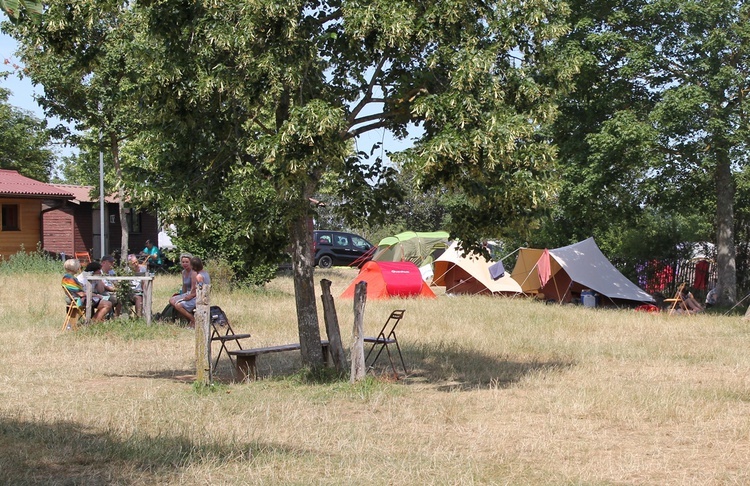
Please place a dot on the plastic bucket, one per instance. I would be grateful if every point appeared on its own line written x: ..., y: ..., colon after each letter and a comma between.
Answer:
x: 588, y: 298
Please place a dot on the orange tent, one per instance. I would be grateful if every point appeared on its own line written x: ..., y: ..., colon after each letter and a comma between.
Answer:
x: 390, y: 279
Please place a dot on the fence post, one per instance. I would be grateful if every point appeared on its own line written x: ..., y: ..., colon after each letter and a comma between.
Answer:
x: 333, y: 331
x: 203, y: 335
x: 359, y: 368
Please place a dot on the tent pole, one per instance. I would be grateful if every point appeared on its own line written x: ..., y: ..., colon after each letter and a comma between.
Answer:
x: 570, y: 285
x: 735, y: 305
x: 509, y: 254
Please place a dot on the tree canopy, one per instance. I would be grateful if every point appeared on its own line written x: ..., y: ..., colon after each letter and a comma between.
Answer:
x: 24, y: 142
x: 658, y: 119
x: 266, y: 97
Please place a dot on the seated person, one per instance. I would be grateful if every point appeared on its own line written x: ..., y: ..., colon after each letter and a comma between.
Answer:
x: 75, y: 287
x: 154, y: 257
x: 187, y: 307
x: 188, y: 290
x: 692, y: 304
x: 711, y: 297
x: 138, y: 269
x: 105, y: 288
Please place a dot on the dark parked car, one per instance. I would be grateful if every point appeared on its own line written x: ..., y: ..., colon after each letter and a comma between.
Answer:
x: 337, y: 248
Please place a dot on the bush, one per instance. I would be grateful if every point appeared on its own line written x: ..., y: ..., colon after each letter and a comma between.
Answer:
x: 221, y: 272
x: 36, y: 262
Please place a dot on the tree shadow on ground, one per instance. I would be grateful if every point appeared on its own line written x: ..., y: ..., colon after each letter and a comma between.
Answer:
x: 180, y: 376
x: 452, y: 368
x: 448, y: 368
x: 65, y: 453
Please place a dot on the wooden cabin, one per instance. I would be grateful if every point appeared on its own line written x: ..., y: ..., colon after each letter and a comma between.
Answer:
x: 77, y: 225
x: 21, y: 204
x: 65, y: 219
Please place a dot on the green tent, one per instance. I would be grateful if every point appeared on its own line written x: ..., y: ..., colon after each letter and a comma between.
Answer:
x: 418, y: 248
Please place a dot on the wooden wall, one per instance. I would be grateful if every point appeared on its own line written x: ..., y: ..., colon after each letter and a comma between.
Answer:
x: 29, y: 224
x: 59, y: 227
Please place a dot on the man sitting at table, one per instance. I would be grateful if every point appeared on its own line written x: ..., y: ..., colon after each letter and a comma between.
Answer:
x: 107, y: 287
x: 138, y: 269
x: 153, y: 255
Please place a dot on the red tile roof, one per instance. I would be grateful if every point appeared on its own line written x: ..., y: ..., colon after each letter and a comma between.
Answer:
x: 14, y: 184
x: 83, y: 193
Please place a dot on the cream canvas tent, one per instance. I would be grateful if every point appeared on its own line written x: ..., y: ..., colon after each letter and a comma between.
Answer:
x: 469, y: 274
x: 572, y: 269
x: 418, y: 248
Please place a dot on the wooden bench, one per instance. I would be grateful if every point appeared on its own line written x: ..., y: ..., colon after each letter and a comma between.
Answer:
x: 246, y: 365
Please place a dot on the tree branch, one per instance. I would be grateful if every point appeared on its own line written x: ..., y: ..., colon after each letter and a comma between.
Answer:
x: 367, y: 98
x: 361, y: 130
x: 377, y: 116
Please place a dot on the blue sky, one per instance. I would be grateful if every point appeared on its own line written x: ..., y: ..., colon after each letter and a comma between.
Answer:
x: 22, y: 92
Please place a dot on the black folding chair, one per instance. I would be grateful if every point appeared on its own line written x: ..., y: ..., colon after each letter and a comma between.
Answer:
x: 222, y: 332
x: 383, y: 340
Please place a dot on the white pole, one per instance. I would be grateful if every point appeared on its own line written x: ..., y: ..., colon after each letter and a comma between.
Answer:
x: 102, y: 203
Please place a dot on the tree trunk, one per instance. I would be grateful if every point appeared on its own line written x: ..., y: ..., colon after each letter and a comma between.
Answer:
x: 725, y: 250
x: 304, y: 294
x: 124, y: 243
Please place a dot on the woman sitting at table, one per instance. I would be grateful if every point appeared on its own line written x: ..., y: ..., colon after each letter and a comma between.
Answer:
x: 75, y: 288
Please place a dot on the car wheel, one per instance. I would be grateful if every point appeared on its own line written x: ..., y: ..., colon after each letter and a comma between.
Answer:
x: 325, y: 262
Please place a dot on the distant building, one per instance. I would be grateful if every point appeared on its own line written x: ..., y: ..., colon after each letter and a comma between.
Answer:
x: 76, y: 226
x: 23, y: 202
x: 64, y: 219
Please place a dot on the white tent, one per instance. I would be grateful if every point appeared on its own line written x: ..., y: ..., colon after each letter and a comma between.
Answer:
x: 573, y: 268
x: 469, y: 274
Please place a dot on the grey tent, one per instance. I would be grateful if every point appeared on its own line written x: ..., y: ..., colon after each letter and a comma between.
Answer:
x: 575, y: 268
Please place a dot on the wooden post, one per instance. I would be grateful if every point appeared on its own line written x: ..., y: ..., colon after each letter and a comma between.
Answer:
x: 359, y: 368
x: 148, y: 288
x: 203, y: 335
x: 89, y: 296
x: 336, y: 348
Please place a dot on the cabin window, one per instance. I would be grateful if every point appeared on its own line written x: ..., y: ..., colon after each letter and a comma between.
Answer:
x: 10, y: 217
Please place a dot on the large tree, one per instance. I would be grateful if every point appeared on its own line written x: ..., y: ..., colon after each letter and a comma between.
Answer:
x: 81, y: 54
x: 250, y: 107
x: 293, y: 82
x: 659, y: 115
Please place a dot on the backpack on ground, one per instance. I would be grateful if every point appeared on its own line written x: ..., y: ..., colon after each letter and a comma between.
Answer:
x: 218, y: 316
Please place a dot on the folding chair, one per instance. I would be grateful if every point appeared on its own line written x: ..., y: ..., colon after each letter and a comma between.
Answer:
x: 74, y: 312
x: 218, y: 321
x: 383, y: 340
x: 83, y: 256
x: 678, y: 302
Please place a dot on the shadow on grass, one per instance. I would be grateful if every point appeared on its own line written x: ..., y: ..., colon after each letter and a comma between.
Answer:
x: 64, y: 453
x: 453, y: 368
x: 446, y: 367
x: 179, y: 376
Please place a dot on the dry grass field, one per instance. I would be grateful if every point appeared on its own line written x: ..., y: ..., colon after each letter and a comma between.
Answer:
x: 499, y: 391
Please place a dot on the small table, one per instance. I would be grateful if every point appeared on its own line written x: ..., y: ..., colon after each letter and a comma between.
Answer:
x: 147, y: 284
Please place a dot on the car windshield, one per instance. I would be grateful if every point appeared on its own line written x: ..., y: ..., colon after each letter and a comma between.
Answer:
x: 360, y: 243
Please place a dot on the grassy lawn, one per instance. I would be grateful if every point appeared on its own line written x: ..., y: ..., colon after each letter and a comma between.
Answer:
x: 500, y: 391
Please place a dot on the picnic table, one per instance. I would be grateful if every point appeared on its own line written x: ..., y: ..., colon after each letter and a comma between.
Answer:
x: 147, y: 282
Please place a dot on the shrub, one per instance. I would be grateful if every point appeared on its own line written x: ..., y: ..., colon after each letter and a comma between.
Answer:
x: 36, y: 262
